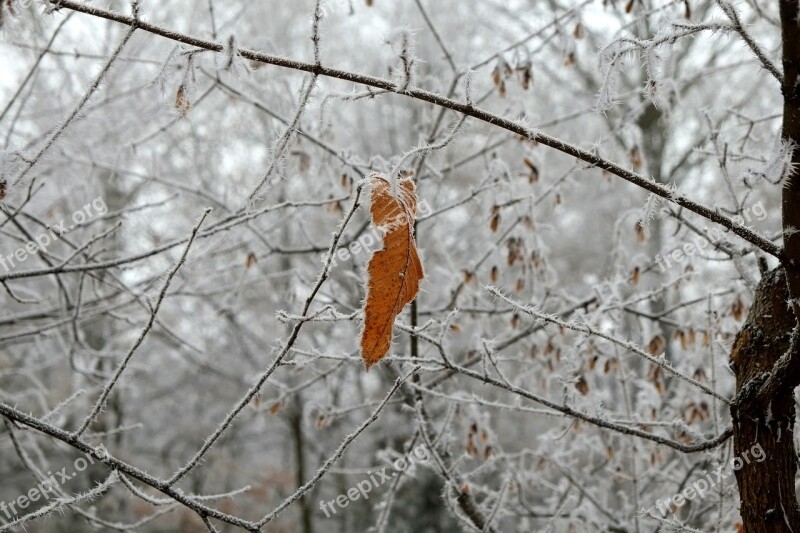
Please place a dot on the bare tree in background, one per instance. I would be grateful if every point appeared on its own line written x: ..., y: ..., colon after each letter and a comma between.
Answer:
x: 608, y: 213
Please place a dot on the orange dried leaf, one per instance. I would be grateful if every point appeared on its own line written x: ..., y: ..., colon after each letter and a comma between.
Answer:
x: 394, y: 271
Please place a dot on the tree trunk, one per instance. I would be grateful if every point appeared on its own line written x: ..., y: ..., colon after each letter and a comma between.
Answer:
x: 296, y: 421
x: 763, y: 427
x: 764, y: 414
x: 790, y: 11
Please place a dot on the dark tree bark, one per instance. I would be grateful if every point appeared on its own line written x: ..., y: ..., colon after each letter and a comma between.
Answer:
x: 766, y: 487
x: 790, y: 11
x: 296, y: 422
x: 766, y: 354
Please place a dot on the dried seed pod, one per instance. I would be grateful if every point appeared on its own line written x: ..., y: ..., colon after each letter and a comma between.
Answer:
x: 636, y: 157
x: 497, y: 77
x: 641, y: 232
x: 582, y: 385
x: 494, y: 274
x: 536, y: 261
x: 528, y: 222
x: 527, y: 78
x: 494, y: 223
x: 737, y: 309
x: 333, y: 206
x: 685, y: 340
x: 182, y: 103
x: 526, y: 74
x: 691, y: 336
x: 533, y: 170
x: 487, y: 453
x: 635, y: 275
x: 656, y: 345
x: 303, y: 159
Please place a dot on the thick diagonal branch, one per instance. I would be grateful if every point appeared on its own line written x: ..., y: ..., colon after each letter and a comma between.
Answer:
x: 439, y: 100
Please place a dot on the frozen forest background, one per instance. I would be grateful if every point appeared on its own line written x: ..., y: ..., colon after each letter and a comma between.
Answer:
x: 566, y: 362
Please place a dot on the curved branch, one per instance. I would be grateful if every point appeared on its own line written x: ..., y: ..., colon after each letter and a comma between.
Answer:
x: 439, y: 100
